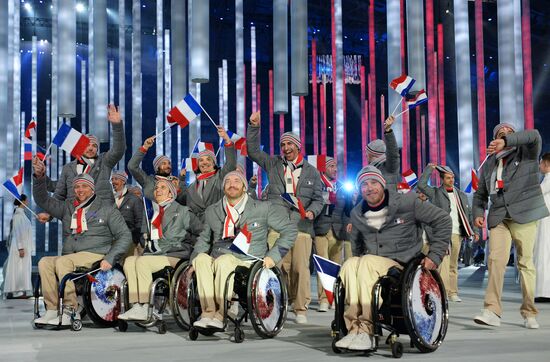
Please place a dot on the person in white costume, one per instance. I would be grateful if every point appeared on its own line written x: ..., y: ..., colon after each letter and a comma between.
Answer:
x: 17, y: 282
x: 542, y: 244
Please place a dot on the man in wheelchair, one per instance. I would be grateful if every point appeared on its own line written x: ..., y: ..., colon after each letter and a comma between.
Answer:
x: 385, y: 233
x: 212, y: 259
x: 167, y: 246
x: 93, y: 230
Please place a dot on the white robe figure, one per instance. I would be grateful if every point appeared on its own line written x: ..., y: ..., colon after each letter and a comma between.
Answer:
x: 541, y: 254
x: 18, y: 270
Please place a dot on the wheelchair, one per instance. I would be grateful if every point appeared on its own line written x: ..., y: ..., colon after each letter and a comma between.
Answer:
x: 411, y: 301
x: 261, y: 294
x: 166, y: 289
x: 98, y: 294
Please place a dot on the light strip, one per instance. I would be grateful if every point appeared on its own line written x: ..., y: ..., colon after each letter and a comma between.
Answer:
x: 527, y: 69
x: 441, y: 94
x: 168, y: 100
x: 480, y: 76
x: 432, y: 93
x: 83, y: 88
x: 239, y: 67
x: 253, y: 94
x: 200, y: 42
x: 372, y: 72
x: 161, y: 142
x: 314, y: 94
x: 136, y: 74
x: 393, y: 26
x: 280, y: 55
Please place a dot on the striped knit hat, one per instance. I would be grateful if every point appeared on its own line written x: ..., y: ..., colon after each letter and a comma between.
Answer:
x: 239, y: 175
x: 119, y: 175
x: 291, y: 137
x: 376, y: 149
x: 84, y: 178
x: 93, y: 139
x: 444, y: 169
x: 330, y: 161
x: 158, y: 160
x: 499, y: 126
x: 169, y: 184
x: 210, y: 154
x: 369, y: 173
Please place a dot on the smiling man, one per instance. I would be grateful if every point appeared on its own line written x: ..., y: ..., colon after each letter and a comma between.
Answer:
x: 291, y: 176
x: 93, y: 230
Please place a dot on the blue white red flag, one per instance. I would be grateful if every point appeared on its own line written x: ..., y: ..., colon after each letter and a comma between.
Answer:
x: 327, y: 271
x: 184, y: 112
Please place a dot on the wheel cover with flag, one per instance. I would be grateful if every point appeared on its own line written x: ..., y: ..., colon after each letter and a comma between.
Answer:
x: 102, y: 296
x: 267, y: 301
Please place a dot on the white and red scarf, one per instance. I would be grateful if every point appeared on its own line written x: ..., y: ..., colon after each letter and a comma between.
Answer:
x: 461, y: 213
x: 156, y: 219
x: 119, y: 196
x: 232, y: 215
x: 497, y: 182
x: 84, y: 165
x: 293, y: 170
x: 202, y: 179
x: 78, y: 219
x: 329, y: 194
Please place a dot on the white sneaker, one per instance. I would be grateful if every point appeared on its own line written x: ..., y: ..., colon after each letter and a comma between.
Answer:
x: 362, y: 342
x: 138, y: 312
x: 531, y: 323
x: 50, y: 314
x: 65, y: 319
x: 202, y: 323
x: 488, y: 318
x: 301, y: 319
x: 323, y: 307
x: 215, y: 323
x: 455, y: 298
x: 346, y: 341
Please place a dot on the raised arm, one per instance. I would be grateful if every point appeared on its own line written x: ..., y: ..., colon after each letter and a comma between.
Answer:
x: 423, y: 186
x: 116, y: 152
x: 134, y: 164
x: 253, y: 141
x: 393, y: 161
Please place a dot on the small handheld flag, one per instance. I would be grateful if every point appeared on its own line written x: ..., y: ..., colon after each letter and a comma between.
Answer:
x: 27, y: 149
x: 318, y: 161
x: 403, y: 188
x: 328, y: 272
x: 295, y: 202
x: 15, y: 184
x: 402, y: 84
x: 30, y: 132
x: 238, y: 141
x: 241, y: 243
x: 410, y: 177
x: 472, y: 186
x: 203, y: 146
x: 190, y: 164
x: 70, y: 140
x: 184, y: 112
x: 418, y: 99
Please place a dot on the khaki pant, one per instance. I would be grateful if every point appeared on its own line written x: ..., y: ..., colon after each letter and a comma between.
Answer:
x: 295, y: 267
x: 442, y: 269
x: 500, y: 241
x: 139, y: 274
x: 211, y: 277
x: 452, y: 286
x: 327, y: 247
x: 54, y: 268
x: 358, y: 275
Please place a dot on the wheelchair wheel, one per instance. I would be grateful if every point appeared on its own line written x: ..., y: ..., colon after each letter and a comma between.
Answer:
x: 396, y: 349
x: 267, y: 300
x: 122, y: 325
x: 76, y: 325
x: 179, y: 296
x: 425, y: 308
x: 102, y: 297
x: 162, y: 327
x: 194, y: 310
x: 239, y: 335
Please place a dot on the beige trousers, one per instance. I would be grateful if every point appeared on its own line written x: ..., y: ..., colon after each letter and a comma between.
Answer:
x: 327, y: 247
x: 500, y: 241
x: 452, y: 286
x: 358, y: 275
x: 295, y: 268
x: 139, y: 274
x: 54, y: 268
x: 211, y: 277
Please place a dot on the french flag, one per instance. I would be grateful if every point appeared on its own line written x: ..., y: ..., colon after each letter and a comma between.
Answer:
x: 473, y: 184
x: 418, y: 99
x: 241, y: 243
x: 184, y: 112
x: 295, y: 202
x: 410, y: 177
x: 190, y: 164
x: 328, y: 272
x: 31, y: 129
x: 15, y: 184
x: 71, y: 140
x: 238, y: 141
x: 402, y: 84
x: 318, y: 161
x: 203, y: 146
x: 27, y: 149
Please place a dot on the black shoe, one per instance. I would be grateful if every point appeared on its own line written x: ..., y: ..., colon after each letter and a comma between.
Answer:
x: 542, y: 300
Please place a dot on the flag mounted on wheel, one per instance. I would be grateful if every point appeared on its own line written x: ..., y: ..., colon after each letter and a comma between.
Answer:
x: 328, y: 272
x: 184, y: 112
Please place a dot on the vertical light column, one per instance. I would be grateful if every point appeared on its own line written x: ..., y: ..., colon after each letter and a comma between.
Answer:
x: 136, y: 74
x: 178, y: 65
x: 97, y: 30
x: 295, y: 113
x: 83, y: 88
x: 527, y: 69
x: 56, y: 154
x: 463, y: 91
x: 480, y: 76
x: 314, y: 96
x: 48, y: 172
x: 253, y: 94
x: 280, y: 55
x: 6, y: 8
x: 160, y: 82
x: 271, y: 121
x: 122, y: 61
x: 441, y: 95
x: 431, y: 81
x: 220, y: 97
x: 200, y: 34
x: 239, y: 66
x: 225, y: 95
x: 168, y: 98
x: 323, y: 96
x: 415, y: 42
x: 34, y: 92
x: 518, y: 62
x: 111, y: 81
x: 393, y: 19
x: 16, y: 90
x: 364, y: 117
x: 337, y: 83
x: 506, y: 64
x: 34, y: 102
x: 299, y: 50
x: 373, y: 97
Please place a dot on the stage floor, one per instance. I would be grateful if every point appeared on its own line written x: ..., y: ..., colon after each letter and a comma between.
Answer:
x: 465, y: 340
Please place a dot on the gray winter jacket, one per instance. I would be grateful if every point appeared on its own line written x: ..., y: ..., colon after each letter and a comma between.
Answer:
x: 335, y: 217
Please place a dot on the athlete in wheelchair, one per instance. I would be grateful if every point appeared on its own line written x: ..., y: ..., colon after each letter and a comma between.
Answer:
x: 385, y: 284
x: 231, y: 257
x: 94, y: 232
x: 150, y: 276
